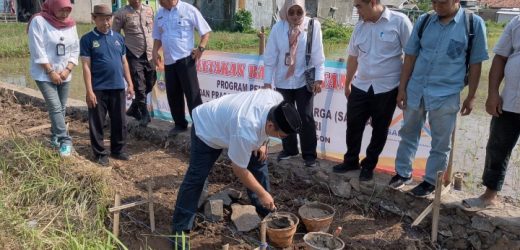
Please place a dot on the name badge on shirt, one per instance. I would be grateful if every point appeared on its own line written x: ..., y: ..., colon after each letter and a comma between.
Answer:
x: 288, y: 59
x: 60, y: 48
x: 95, y: 44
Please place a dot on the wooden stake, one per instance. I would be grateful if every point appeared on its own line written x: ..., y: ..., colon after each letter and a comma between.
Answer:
x: 261, y: 43
x: 225, y: 247
x: 428, y: 209
x: 129, y: 205
x: 115, y: 230
x: 436, y: 206
x: 449, y: 169
x: 263, y: 230
x: 33, y: 129
x: 150, y: 205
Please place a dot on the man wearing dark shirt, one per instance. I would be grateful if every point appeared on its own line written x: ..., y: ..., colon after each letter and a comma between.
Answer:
x: 102, y: 54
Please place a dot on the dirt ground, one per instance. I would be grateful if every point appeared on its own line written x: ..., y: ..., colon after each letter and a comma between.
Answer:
x: 363, y: 228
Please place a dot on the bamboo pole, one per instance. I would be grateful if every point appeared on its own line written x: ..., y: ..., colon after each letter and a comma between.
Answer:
x: 125, y: 206
x: 263, y: 230
x: 428, y: 209
x: 150, y: 206
x: 449, y: 170
x: 115, y: 229
x: 436, y: 206
x: 261, y: 43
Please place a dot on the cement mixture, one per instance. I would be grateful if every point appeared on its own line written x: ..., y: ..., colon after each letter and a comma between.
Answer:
x: 323, y: 241
x: 314, y: 212
x: 280, y: 221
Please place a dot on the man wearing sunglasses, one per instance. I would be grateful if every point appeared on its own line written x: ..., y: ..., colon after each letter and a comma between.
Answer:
x: 431, y: 81
x: 373, y: 69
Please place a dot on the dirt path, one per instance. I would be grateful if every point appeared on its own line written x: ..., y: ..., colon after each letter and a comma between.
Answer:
x: 363, y: 228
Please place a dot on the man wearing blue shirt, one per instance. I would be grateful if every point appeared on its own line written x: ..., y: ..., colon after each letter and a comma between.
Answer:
x: 105, y: 69
x: 431, y: 81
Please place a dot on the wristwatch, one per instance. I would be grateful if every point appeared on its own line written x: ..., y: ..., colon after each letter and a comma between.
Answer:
x: 201, y: 49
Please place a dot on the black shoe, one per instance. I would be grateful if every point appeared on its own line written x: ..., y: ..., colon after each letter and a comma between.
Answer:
x: 343, y: 168
x: 120, y: 156
x: 422, y: 190
x: 145, y: 115
x: 366, y: 174
x: 177, y: 130
x: 312, y: 163
x: 398, y: 181
x: 285, y: 156
x: 102, y: 160
x: 134, y: 111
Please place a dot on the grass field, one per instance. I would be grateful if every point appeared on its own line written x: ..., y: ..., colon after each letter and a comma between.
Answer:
x: 48, y: 203
x: 13, y: 42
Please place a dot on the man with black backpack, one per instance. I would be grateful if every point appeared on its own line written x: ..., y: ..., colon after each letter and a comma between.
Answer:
x: 444, y: 45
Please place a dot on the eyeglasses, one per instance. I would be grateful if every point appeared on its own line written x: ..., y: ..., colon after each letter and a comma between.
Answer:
x: 297, y: 12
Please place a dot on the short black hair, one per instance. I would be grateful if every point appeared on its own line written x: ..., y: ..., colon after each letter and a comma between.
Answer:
x: 271, y: 118
x: 286, y: 118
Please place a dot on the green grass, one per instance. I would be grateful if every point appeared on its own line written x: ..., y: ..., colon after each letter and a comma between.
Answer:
x: 49, y: 203
x: 13, y: 42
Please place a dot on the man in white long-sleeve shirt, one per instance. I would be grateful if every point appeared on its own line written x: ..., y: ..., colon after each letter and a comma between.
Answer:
x: 285, y: 64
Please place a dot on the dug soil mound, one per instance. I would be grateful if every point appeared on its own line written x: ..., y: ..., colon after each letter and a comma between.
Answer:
x: 363, y: 226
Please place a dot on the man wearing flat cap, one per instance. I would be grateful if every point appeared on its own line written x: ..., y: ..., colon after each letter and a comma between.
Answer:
x: 105, y: 66
x: 241, y: 123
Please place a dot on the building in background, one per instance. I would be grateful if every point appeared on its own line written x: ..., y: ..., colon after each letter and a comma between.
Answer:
x: 499, y: 10
x: 220, y: 13
x: 81, y: 10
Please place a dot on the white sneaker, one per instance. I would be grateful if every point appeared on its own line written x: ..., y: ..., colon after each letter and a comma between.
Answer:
x: 65, y: 150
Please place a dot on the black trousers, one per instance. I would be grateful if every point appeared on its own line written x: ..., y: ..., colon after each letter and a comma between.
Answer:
x: 181, y: 80
x: 503, y: 136
x: 304, y: 101
x: 113, y: 102
x: 361, y: 106
x: 143, y: 75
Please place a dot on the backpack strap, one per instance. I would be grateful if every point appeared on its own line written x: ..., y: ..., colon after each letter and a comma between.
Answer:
x: 308, y: 50
x: 470, y: 32
x: 424, y: 22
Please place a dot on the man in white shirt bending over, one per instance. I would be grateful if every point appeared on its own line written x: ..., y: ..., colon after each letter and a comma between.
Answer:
x: 242, y: 124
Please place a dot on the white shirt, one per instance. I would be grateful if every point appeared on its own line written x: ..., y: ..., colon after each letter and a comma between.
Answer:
x: 509, y: 46
x: 278, y: 45
x: 236, y: 122
x: 379, y: 49
x: 175, y: 30
x: 43, y: 39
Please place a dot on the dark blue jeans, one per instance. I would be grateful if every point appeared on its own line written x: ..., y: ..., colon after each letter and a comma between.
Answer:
x: 201, y: 161
x: 503, y: 135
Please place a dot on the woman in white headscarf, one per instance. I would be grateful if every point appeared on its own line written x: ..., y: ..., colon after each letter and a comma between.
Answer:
x: 285, y: 64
